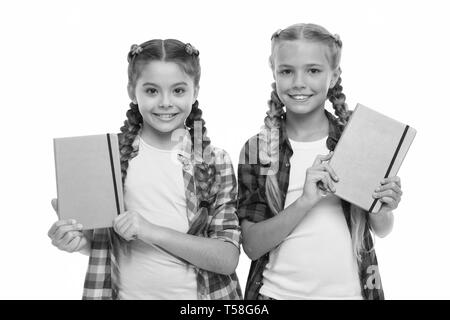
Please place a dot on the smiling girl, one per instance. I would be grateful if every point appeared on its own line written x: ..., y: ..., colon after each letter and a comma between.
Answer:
x: 179, y: 237
x: 305, y: 242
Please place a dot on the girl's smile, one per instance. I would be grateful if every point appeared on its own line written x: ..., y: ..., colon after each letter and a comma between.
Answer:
x: 165, y: 116
x: 300, y: 97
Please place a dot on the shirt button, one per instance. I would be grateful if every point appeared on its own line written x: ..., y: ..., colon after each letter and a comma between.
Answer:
x: 287, y: 164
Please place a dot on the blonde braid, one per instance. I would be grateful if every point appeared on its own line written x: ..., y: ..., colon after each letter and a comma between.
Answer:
x: 269, y: 149
x: 337, y: 99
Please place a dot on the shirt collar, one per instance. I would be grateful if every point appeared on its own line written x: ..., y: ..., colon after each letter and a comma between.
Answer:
x: 184, y: 146
x: 334, y: 131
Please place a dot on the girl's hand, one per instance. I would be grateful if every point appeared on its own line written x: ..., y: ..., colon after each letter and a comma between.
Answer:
x: 66, y: 235
x: 319, y: 180
x: 389, y: 193
x: 131, y: 226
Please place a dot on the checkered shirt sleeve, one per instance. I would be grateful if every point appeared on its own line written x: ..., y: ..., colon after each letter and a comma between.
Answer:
x: 252, y: 204
x: 223, y: 223
x: 97, y: 284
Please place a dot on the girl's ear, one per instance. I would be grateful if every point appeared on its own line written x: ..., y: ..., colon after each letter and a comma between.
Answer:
x: 271, y: 67
x: 196, y: 90
x: 335, y: 77
x: 131, y: 93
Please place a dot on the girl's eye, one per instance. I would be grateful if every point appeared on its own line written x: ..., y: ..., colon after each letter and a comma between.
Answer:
x: 151, y: 91
x: 314, y: 70
x: 179, y: 90
x: 285, y: 72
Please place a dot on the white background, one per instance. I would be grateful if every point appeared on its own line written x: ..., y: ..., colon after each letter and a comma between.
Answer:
x: 63, y: 73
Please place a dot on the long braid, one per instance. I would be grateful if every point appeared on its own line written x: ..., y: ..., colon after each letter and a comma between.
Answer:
x: 273, y: 118
x: 337, y: 99
x: 269, y: 147
x: 128, y: 149
x: 196, y: 117
x: 205, y: 175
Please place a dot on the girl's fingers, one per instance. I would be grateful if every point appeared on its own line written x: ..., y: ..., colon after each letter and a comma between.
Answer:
x: 122, y: 217
x: 391, y: 203
x: 119, y: 218
x: 395, y: 179
x: 125, y: 229
x: 129, y: 232
x: 124, y: 226
x: 390, y: 186
x: 61, y: 231
x: 73, y: 244
x: 120, y: 221
x: 320, y: 165
x: 83, y: 242
x: 69, y: 236
x: 314, y: 176
x: 330, y: 184
x: 320, y: 158
x: 116, y: 229
x: 387, y: 193
x: 121, y: 224
x: 322, y: 178
x: 330, y: 170
x: 317, y: 161
x: 58, y: 224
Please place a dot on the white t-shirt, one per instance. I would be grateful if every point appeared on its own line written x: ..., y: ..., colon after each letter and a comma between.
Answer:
x: 154, y: 187
x: 316, y: 260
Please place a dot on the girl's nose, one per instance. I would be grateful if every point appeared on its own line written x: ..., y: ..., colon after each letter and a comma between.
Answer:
x: 165, y: 102
x: 299, y: 80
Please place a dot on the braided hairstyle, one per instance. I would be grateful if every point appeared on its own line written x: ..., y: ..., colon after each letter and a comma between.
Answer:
x: 194, y: 122
x: 206, y: 176
x: 315, y: 33
x: 187, y: 58
x: 129, y: 131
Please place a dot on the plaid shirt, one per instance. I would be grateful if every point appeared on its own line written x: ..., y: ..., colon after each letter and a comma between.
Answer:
x: 252, y: 205
x: 222, y: 223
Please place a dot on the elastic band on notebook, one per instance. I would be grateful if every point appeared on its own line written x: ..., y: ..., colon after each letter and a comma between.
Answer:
x: 113, y: 173
x: 392, y: 161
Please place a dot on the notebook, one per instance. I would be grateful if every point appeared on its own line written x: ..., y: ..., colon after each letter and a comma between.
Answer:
x: 88, y: 179
x: 372, y: 147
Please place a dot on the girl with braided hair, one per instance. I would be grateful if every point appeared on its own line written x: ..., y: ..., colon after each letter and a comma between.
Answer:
x: 179, y: 237
x: 305, y: 242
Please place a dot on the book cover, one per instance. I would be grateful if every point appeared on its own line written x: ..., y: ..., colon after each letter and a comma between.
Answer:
x: 88, y: 179
x: 372, y: 147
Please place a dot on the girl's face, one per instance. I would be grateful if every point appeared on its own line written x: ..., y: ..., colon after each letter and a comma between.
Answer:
x: 303, y: 75
x: 164, y: 94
